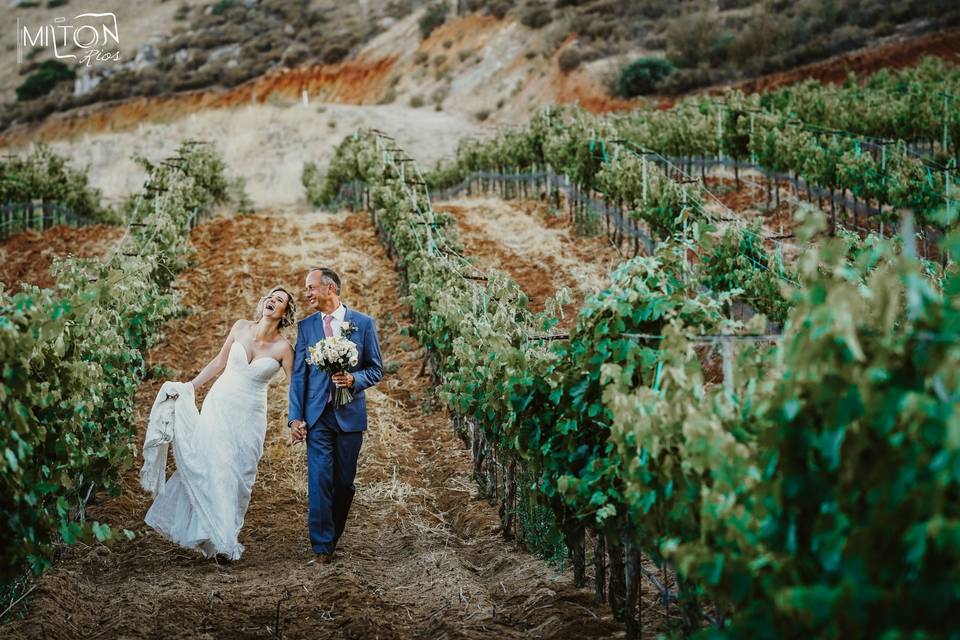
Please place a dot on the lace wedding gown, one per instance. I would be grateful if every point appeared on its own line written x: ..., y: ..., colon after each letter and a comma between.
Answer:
x: 203, y: 504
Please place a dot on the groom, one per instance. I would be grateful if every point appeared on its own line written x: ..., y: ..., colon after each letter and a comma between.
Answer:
x: 333, y: 434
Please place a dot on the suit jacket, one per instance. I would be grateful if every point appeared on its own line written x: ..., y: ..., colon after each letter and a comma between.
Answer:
x: 309, y: 385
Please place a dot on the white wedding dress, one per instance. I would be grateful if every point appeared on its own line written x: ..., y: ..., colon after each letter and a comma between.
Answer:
x: 216, y: 451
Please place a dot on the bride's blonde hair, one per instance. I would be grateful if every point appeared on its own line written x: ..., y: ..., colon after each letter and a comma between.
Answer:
x: 289, y: 314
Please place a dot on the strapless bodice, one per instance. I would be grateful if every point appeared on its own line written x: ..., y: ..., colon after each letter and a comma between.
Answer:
x: 260, y: 370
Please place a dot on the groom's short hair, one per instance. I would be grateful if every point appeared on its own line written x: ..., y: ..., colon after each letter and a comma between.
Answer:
x: 327, y: 276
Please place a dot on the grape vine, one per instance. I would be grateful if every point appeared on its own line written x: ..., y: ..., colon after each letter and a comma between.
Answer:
x: 73, y: 357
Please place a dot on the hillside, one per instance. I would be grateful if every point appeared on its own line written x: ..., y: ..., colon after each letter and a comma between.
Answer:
x: 489, y: 61
x: 428, y: 78
x: 266, y: 144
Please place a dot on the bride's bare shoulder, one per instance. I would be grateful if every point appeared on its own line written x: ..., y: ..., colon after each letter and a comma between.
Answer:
x: 282, y: 351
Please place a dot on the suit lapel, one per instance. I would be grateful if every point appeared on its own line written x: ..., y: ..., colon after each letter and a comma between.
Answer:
x: 349, y: 316
x: 310, y: 328
x: 317, y: 326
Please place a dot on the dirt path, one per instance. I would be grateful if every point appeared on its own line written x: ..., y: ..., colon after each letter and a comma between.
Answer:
x: 539, y: 250
x: 421, y: 557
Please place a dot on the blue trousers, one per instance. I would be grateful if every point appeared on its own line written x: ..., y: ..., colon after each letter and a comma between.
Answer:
x: 331, y: 468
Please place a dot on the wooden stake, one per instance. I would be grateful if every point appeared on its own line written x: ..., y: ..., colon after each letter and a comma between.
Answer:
x: 600, y: 567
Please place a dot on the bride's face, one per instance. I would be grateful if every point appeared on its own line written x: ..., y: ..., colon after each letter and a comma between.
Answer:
x: 275, y: 305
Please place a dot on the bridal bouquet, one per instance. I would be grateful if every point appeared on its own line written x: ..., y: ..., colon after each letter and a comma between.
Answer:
x: 334, y: 355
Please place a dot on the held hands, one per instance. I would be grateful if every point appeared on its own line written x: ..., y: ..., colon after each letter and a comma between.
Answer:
x: 298, y: 432
x: 298, y: 428
x: 343, y: 379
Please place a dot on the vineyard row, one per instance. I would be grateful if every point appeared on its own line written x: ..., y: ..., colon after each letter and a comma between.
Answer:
x: 757, y: 492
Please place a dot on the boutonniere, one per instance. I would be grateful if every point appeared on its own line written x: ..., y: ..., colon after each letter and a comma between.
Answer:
x: 347, y: 329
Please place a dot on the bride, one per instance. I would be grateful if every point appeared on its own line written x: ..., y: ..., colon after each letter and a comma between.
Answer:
x: 203, y: 504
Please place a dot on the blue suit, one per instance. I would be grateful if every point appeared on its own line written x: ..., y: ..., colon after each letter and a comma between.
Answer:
x: 334, y: 434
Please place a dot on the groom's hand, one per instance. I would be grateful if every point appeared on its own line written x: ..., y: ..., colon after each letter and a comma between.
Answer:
x: 343, y: 379
x: 298, y: 432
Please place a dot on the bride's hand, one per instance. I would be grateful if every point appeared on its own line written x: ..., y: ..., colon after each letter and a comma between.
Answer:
x: 295, y: 437
x: 174, y: 396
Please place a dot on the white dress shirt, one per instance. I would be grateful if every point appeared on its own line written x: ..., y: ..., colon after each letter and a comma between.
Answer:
x: 338, y: 315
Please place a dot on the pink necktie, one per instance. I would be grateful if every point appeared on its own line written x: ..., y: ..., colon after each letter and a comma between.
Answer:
x: 328, y: 332
x: 328, y: 326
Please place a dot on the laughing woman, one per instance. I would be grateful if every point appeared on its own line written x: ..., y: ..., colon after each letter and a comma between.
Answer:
x: 217, y: 449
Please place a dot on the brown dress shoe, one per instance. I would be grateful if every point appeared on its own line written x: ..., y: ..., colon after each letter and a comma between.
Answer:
x: 322, y: 558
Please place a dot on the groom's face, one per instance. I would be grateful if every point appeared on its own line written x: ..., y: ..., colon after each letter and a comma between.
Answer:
x: 319, y: 293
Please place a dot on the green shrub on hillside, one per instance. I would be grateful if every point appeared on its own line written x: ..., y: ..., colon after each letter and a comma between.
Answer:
x: 43, y: 79
x: 642, y: 76
x: 496, y: 8
x: 435, y: 15
x: 569, y: 59
x: 221, y: 7
x: 692, y: 38
x: 536, y: 16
